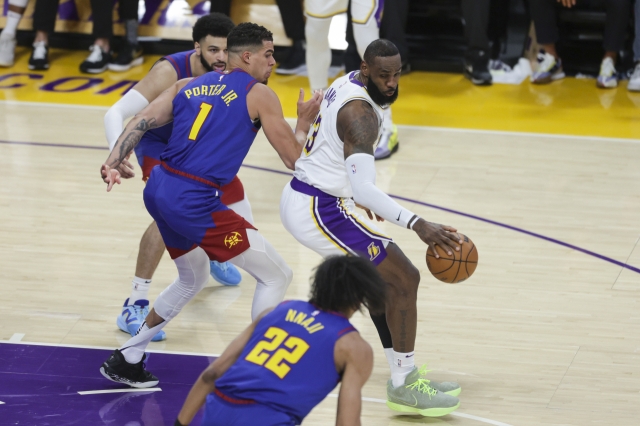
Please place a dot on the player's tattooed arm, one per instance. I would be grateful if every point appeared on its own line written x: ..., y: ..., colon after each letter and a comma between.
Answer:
x: 156, y: 114
x: 357, y: 127
x: 131, y: 139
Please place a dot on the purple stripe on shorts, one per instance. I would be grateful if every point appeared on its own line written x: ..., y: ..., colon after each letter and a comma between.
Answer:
x: 379, y: 12
x: 341, y: 226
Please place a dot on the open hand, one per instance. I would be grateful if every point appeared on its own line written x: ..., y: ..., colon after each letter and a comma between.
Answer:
x: 126, y: 169
x: 308, y: 110
x: 369, y: 213
x: 109, y: 176
x: 434, y: 234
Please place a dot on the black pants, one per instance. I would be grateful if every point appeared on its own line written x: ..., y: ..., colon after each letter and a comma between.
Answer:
x: 392, y: 28
x: 485, y: 21
x: 544, y: 15
x: 290, y: 10
x: 44, y: 16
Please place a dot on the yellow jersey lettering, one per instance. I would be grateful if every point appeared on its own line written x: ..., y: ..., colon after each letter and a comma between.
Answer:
x: 291, y: 314
x: 307, y: 322
x: 230, y: 96
x: 196, y: 91
x: 188, y: 93
x: 204, y: 90
x: 219, y: 89
x: 315, y: 327
x: 299, y: 318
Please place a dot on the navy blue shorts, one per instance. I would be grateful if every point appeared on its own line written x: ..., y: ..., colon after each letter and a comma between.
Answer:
x: 190, y: 213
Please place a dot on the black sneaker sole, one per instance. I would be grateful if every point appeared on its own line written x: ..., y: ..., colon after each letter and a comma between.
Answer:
x: 126, y: 67
x: 115, y: 378
x: 94, y: 70
x: 37, y: 68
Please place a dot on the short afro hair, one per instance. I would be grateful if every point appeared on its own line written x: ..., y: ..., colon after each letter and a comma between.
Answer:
x: 341, y: 283
x: 214, y: 25
x: 380, y: 48
x: 247, y: 36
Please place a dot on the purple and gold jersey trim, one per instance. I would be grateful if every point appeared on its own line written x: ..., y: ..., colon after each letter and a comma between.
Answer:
x: 340, y: 226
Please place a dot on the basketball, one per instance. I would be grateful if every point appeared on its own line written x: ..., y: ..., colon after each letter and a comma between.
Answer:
x: 457, y: 267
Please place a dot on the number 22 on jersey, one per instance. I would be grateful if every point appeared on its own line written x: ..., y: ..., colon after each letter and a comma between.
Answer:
x: 277, y: 362
x: 205, y: 109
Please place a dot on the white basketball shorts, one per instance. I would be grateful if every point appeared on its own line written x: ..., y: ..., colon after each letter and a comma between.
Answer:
x: 329, y: 225
x: 361, y: 10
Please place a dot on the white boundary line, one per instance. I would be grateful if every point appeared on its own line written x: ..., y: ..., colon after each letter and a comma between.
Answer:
x: 16, y: 337
x: 468, y: 416
x: 63, y: 345
x: 95, y: 392
x: 402, y: 126
x: 53, y: 105
x: 455, y: 413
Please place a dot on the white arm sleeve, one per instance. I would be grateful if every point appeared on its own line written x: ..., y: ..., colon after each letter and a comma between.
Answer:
x: 128, y: 106
x: 362, y: 174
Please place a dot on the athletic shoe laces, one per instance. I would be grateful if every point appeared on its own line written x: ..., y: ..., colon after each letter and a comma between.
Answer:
x: 422, y: 386
x: 96, y: 54
x: 39, y: 50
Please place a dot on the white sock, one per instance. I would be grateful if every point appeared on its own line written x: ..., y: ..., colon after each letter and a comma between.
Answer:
x: 13, y: 19
x: 403, y: 364
x: 133, y: 350
x: 139, y: 290
x: 388, y: 352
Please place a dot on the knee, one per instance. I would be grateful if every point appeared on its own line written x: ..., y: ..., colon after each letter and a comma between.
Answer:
x: 407, y: 285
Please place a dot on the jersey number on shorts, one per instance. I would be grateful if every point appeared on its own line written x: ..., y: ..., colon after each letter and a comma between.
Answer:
x: 275, y: 362
x: 205, y: 109
x: 312, y: 139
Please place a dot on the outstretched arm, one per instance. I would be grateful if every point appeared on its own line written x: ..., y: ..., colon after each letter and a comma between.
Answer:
x: 206, y: 383
x: 160, y: 77
x: 158, y: 113
x: 357, y: 127
x: 265, y: 105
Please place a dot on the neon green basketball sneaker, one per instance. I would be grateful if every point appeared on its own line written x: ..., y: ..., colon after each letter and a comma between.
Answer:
x: 417, y: 396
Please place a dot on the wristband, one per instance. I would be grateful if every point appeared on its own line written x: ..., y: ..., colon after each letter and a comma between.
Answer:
x: 177, y: 423
x: 413, y: 221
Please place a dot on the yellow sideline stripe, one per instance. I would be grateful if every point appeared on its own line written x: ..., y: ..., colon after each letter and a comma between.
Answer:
x: 566, y: 107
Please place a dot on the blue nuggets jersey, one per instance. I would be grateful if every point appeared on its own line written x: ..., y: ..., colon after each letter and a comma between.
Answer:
x: 181, y: 64
x: 288, y: 363
x: 212, y: 130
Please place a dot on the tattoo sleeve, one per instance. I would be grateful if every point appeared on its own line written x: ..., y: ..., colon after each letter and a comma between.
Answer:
x: 359, y: 126
x: 131, y: 139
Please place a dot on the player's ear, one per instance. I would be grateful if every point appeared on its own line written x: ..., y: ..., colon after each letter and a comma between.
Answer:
x: 246, y: 56
x: 364, y: 69
x: 196, y: 46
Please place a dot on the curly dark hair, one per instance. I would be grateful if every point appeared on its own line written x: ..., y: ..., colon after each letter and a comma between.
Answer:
x: 214, y: 24
x: 341, y: 283
x: 379, y: 48
x: 247, y: 35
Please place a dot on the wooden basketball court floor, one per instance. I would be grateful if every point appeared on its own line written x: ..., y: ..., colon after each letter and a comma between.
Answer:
x: 547, y: 331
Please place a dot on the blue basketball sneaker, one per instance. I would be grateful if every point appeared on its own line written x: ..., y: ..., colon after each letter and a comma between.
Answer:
x: 225, y: 273
x: 133, y: 316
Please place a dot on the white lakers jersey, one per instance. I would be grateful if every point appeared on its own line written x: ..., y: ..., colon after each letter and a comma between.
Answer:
x: 321, y: 163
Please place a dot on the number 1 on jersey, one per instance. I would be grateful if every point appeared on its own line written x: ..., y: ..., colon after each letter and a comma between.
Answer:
x: 205, y: 109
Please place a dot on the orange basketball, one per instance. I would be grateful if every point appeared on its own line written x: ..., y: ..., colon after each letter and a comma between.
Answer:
x: 456, y: 268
